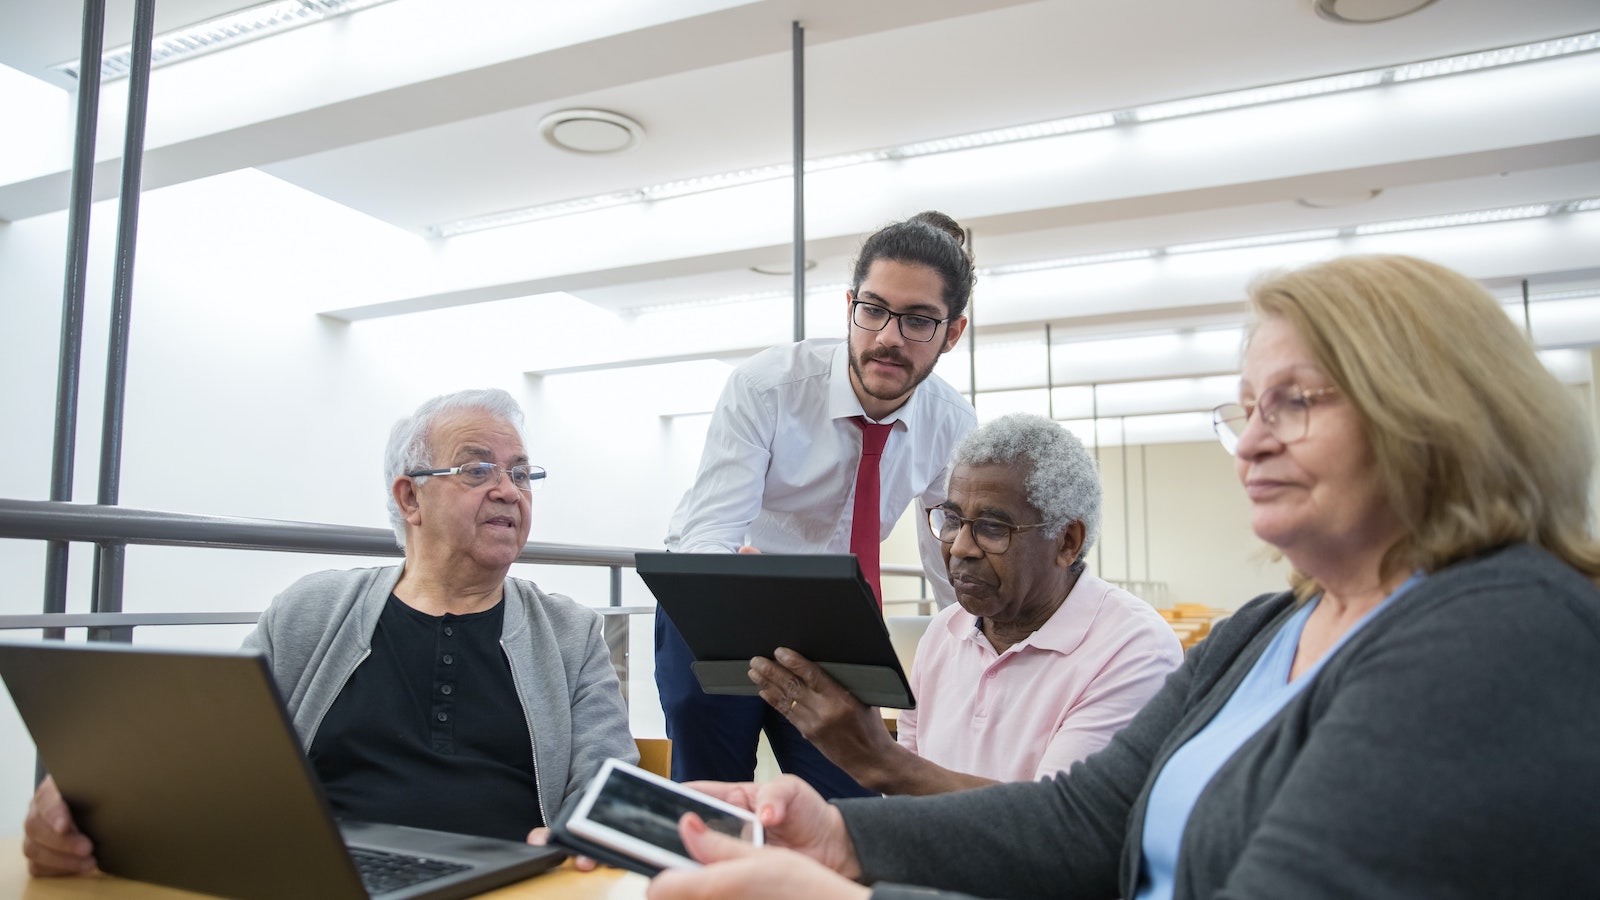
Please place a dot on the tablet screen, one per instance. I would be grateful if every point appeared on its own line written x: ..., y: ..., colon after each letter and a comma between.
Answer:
x: 637, y: 813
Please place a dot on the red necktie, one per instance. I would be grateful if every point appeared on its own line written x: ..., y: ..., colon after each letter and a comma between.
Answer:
x: 864, y: 522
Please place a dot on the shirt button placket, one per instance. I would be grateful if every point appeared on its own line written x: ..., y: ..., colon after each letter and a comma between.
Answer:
x: 443, y: 718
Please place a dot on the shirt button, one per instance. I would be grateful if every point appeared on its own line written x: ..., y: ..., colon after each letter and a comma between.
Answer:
x: 444, y: 717
x: 448, y: 631
x: 448, y: 659
x: 446, y: 689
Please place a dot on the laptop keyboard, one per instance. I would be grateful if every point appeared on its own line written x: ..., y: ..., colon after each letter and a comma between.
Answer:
x: 382, y: 872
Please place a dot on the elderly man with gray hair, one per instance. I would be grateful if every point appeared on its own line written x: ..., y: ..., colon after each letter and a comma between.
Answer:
x: 1038, y: 664
x: 441, y: 693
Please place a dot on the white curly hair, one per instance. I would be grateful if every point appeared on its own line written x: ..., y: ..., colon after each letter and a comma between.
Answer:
x: 1063, y: 483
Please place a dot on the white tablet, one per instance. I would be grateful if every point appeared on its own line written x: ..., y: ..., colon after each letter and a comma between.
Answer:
x: 636, y: 813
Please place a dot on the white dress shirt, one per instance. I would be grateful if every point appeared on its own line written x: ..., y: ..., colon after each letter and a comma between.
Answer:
x: 779, y: 467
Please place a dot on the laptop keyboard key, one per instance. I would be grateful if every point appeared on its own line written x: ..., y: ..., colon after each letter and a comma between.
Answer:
x: 382, y: 872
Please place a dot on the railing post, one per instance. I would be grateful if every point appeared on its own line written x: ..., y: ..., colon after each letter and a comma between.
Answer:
x: 79, y: 204
x: 616, y: 631
x: 110, y: 558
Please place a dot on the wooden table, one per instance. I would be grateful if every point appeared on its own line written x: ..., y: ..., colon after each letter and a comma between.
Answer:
x: 564, y: 883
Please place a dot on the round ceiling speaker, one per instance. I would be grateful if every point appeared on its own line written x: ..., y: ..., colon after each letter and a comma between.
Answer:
x: 591, y: 131
x: 1366, y: 12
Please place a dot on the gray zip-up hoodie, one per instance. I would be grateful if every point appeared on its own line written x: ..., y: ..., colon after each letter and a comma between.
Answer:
x: 316, y: 632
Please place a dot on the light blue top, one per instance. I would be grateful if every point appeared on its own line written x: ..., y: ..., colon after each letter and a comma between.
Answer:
x: 1266, y: 689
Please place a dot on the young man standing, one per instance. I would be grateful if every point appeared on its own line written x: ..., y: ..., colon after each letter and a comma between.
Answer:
x: 819, y: 447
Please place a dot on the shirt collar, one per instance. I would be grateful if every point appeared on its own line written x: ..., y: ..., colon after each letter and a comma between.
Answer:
x: 1063, y: 631
x: 843, y: 402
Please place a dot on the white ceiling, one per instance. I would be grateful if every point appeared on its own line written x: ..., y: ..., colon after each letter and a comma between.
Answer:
x: 421, y: 112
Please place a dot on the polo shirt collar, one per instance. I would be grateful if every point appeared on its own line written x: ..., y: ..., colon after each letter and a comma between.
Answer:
x: 1062, y: 633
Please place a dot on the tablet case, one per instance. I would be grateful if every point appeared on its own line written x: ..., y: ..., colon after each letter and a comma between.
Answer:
x: 731, y: 607
x: 566, y: 840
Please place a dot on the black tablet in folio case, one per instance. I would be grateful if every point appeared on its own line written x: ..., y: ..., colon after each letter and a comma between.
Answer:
x: 731, y: 607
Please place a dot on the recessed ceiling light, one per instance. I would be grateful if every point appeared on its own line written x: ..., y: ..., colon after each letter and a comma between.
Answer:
x: 785, y: 267
x: 1339, y: 201
x: 1366, y: 12
x: 591, y: 131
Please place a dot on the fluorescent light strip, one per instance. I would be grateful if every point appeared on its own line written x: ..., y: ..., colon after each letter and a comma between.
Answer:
x: 536, y: 213
x: 1013, y: 134
x: 1579, y: 294
x: 222, y: 32
x: 1066, y: 262
x: 1488, y: 59
x: 1350, y: 81
x: 1262, y: 240
x: 730, y: 299
x: 1508, y: 214
x: 1294, y: 90
x: 1480, y: 217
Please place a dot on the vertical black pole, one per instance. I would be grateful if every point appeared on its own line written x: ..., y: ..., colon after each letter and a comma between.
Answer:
x: 972, y: 340
x: 797, y: 34
x: 1527, y: 314
x: 1127, y: 511
x: 1094, y: 437
x: 1144, y: 498
x: 78, y: 209
x: 109, y: 556
x: 1049, y: 373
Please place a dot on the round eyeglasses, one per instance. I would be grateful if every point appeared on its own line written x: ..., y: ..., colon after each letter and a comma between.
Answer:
x: 1286, y: 411
x: 913, y: 327
x: 991, y: 535
x: 478, y: 474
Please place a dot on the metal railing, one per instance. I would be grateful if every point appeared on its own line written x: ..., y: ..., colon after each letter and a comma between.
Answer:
x: 50, y: 520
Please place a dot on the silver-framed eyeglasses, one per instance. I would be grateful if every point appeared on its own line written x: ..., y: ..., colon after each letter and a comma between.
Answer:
x: 477, y: 474
x: 913, y: 326
x: 991, y: 535
x: 1285, y: 410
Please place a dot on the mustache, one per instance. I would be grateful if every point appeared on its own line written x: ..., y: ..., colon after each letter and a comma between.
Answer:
x: 964, y: 572
x: 886, y: 356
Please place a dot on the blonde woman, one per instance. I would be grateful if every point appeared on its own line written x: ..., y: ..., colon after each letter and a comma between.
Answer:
x: 1418, y: 717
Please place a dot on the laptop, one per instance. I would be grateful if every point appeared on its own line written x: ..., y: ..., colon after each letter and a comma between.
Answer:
x: 730, y: 607
x: 183, y: 768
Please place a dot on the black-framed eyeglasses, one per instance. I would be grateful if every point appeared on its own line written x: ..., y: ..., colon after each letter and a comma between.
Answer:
x: 991, y: 535
x: 478, y: 474
x: 913, y: 326
x: 1285, y: 410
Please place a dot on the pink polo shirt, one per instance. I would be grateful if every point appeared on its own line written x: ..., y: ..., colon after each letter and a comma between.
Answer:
x: 1049, y: 700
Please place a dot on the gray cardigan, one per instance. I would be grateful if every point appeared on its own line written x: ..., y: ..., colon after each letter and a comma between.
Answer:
x: 1450, y: 749
x: 317, y: 631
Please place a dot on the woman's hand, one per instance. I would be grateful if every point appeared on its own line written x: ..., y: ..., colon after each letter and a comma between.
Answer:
x: 736, y: 869
x: 793, y: 816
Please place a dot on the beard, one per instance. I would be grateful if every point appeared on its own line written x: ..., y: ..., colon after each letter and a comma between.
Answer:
x: 858, y: 366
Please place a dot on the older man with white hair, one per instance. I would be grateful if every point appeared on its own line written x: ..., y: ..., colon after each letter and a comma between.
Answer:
x: 1038, y: 664
x: 440, y: 693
